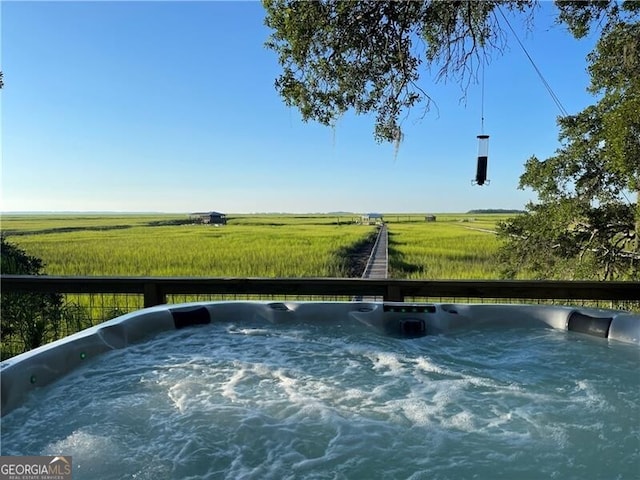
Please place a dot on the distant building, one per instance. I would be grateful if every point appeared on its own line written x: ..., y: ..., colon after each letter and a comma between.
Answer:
x: 369, y: 218
x: 430, y: 218
x: 209, y: 218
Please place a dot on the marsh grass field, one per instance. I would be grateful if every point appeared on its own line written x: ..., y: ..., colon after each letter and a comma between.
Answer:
x: 453, y: 247
x: 443, y: 251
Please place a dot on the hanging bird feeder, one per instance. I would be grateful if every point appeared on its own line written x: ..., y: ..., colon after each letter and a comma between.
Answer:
x: 483, y: 144
x: 483, y: 157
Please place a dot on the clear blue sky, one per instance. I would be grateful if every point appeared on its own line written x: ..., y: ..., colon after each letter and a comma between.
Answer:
x: 171, y: 107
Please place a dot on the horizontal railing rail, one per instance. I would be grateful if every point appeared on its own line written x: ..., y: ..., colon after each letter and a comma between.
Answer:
x: 156, y: 289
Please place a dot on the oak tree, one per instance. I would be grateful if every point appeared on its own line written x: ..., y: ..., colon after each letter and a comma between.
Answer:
x: 586, y: 221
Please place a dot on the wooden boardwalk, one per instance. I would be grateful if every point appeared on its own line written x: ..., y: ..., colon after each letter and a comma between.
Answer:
x: 378, y: 263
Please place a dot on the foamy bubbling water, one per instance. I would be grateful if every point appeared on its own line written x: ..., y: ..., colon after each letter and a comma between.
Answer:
x: 289, y: 402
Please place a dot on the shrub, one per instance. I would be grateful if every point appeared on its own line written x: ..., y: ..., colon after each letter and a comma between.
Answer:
x: 28, y: 319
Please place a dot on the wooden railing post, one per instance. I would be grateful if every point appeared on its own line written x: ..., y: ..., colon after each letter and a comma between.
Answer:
x: 153, y: 295
x: 394, y: 294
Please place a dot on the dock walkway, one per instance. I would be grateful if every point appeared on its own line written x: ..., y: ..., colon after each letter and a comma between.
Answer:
x: 378, y: 263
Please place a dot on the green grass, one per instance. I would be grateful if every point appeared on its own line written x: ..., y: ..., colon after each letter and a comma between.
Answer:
x: 452, y: 247
x: 256, y: 246
x: 18, y: 224
x: 456, y: 246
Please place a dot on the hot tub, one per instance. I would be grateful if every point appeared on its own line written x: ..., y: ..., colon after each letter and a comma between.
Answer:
x: 335, y: 390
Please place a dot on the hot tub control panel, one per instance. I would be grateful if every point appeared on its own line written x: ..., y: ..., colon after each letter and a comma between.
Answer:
x: 406, y: 320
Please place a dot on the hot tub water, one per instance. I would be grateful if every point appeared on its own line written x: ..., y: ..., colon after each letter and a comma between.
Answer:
x: 241, y: 400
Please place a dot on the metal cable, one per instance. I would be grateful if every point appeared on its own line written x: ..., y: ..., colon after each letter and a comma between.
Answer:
x: 544, y: 82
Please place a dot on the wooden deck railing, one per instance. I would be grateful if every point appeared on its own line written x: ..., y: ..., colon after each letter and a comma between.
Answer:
x: 156, y: 289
